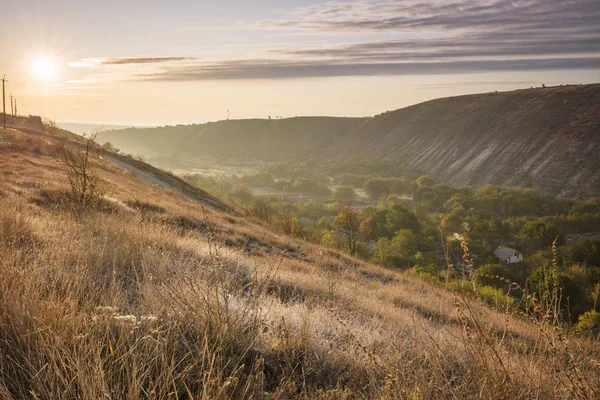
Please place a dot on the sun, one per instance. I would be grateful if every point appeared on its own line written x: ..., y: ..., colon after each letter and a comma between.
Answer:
x: 43, y: 68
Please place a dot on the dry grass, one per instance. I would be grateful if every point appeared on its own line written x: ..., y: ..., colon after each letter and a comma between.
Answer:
x: 158, y: 297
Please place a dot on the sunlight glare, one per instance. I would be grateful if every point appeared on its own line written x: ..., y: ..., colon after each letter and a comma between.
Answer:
x: 43, y: 68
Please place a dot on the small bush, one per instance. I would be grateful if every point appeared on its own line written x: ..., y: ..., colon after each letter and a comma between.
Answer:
x: 494, y: 296
x: 460, y: 286
x: 588, y: 321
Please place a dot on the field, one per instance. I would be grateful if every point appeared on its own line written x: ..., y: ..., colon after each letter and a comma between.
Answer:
x: 151, y: 295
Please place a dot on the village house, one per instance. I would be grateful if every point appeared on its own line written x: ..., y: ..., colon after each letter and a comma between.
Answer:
x: 508, y: 256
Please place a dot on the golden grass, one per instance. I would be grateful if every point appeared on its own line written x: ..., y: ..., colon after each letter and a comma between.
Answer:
x: 158, y: 297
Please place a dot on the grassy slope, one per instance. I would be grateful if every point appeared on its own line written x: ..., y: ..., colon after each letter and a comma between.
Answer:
x: 164, y: 297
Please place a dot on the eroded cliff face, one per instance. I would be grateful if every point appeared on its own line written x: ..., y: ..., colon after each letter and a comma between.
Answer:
x: 547, y: 139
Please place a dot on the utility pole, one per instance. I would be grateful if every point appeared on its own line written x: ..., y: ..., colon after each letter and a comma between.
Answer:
x: 227, y: 114
x: 16, y: 112
x: 12, y: 107
x: 4, y: 100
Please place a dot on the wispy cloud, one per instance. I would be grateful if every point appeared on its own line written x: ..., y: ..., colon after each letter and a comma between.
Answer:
x: 433, y: 37
x: 142, y: 60
x: 275, y: 69
x: 465, y: 15
x: 95, y: 62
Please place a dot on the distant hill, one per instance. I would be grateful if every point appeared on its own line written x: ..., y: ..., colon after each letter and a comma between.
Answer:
x: 80, y: 128
x: 545, y: 138
x: 252, y: 138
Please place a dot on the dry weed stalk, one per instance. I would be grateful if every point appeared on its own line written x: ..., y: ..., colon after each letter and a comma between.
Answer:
x: 84, y: 184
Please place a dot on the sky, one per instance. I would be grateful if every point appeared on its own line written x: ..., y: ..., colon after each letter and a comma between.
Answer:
x: 150, y: 62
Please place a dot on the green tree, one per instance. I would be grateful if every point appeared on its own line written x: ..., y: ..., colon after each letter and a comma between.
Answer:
x: 344, y: 194
x: 425, y: 180
x: 493, y: 275
x: 397, y: 252
x: 400, y: 217
x: 376, y: 188
x: 451, y: 223
x: 349, y: 222
x: 384, y: 253
x: 406, y: 244
x: 324, y: 224
x: 331, y: 239
x: 539, y: 233
x: 377, y: 219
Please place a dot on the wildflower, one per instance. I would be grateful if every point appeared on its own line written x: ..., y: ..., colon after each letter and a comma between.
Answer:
x: 131, y: 319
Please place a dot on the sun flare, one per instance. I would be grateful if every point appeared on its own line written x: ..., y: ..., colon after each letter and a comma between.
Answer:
x: 43, y: 68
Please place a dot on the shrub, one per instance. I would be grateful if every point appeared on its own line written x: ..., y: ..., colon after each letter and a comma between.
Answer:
x: 427, y: 272
x: 588, y: 321
x: 494, y: 296
x: 460, y: 286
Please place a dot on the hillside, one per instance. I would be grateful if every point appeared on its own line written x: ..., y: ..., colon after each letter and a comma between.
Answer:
x: 255, y: 139
x: 152, y: 294
x: 81, y: 128
x: 547, y: 139
x: 544, y: 138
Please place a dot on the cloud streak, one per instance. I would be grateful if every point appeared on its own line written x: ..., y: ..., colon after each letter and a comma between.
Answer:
x: 274, y: 69
x: 446, y: 37
x: 410, y: 15
x: 95, y: 62
x: 142, y: 60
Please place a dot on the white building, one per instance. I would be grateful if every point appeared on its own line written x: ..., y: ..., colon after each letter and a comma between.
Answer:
x: 508, y: 256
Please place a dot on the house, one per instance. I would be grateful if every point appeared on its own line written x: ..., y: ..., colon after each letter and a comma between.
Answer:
x: 508, y: 256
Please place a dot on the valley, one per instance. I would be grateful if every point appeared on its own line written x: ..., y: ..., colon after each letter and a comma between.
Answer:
x: 143, y: 275
x: 543, y: 138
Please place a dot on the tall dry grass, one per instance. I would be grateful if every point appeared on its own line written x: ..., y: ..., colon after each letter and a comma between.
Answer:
x: 158, y: 297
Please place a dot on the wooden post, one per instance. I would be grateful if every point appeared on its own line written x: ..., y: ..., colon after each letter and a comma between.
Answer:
x: 4, y: 100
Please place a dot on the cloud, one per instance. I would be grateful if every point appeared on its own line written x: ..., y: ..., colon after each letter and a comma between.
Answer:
x: 95, y: 62
x: 410, y: 15
x: 276, y: 69
x: 472, y: 46
x: 142, y: 60
x: 421, y: 37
